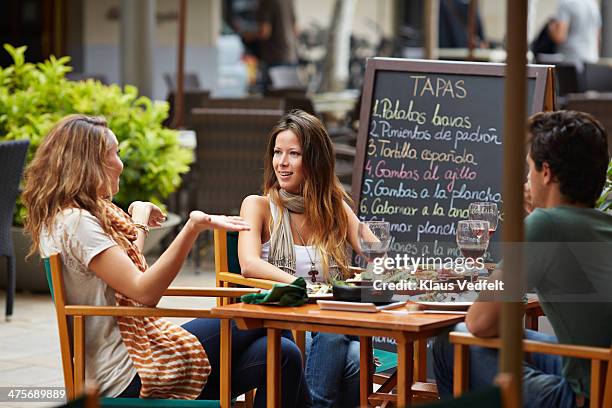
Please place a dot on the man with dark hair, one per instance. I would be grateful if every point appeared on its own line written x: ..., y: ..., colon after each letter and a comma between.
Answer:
x: 568, y: 256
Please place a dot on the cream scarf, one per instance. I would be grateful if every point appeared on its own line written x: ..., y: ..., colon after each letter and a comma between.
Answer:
x: 282, y: 250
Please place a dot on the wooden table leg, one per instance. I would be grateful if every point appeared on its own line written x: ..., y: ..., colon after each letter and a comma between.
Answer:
x: 405, y: 363
x: 273, y: 374
x: 300, y: 341
x: 366, y: 370
x: 226, y: 363
x: 420, y: 360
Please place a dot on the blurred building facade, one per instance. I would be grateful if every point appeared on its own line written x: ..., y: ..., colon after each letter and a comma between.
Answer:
x: 90, y: 31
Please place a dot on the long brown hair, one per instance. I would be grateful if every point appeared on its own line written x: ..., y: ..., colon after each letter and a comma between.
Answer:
x: 322, y: 191
x: 69, y: 170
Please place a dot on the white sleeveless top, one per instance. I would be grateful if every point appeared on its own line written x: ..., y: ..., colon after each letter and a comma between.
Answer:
x: 302, y: 261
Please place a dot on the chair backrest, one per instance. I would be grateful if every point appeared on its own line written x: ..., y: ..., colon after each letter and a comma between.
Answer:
x: 294, y: 99
x: 486, y: 398
x: 192, y: 99
x: 53, y: 270
x: 230, y: 152
x: 599, y: 106
x: 226, y: 251
x: 568, y: 79
x: 12, y: 160
x: 191, y: 81
x: 598, y: 77
x: 607, y: 397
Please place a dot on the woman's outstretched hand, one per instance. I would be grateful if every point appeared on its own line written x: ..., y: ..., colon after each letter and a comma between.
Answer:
x: 224, y: 222
x: 146, y: 213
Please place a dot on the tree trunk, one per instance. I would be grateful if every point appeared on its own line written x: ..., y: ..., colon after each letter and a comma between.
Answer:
x: 337, y: 58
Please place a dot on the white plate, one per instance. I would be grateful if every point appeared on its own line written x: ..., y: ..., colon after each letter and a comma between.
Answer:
x: 445, y: 305
x: 317, y: 296
x: 357, y: 306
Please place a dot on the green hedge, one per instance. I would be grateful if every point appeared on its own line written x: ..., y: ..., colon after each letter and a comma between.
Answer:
x: 33, y: 97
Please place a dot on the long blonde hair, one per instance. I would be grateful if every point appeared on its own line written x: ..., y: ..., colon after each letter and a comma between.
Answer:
x: 322, y: 191
x: 69, y: 170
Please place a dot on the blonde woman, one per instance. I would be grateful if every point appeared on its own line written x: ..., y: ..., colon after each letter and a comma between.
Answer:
x: 302, y: 226
x: 69, y: 186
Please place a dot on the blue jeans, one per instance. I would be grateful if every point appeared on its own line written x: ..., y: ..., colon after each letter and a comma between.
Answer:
x: 332, y: 369
x: 543, y: 383
x: 248, y: 365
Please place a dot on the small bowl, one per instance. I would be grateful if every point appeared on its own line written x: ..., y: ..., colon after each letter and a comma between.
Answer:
x: 361, y: 294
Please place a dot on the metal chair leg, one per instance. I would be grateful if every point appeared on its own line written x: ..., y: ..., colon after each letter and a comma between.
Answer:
x: 11, y: 277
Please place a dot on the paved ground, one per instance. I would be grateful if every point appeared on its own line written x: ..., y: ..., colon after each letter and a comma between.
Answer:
x: 29, y: 345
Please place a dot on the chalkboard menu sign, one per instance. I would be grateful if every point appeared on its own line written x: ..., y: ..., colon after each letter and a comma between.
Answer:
x: 430, y: 143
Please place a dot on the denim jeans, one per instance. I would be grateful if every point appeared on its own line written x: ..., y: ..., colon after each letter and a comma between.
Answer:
x: 332, y: 369
x: 248, y: 365
x: 543, y: 383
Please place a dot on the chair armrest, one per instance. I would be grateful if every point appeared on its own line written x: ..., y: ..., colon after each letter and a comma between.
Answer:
x: 83, y: 310
x: 210, y: 292
x: 238, y: 279
x: 566, y: 350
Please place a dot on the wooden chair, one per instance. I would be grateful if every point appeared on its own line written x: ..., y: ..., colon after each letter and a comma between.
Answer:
x: 228, y: 274
x: 72, y: 345
x: 601, y: 367
x: 496, y: 396
x: 227, y: 267
x: 88, y: 399
x: 231, y: 144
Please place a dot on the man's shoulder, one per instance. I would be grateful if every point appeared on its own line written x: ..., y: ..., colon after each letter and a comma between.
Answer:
x: 554, y: 222
x: 539, y: 224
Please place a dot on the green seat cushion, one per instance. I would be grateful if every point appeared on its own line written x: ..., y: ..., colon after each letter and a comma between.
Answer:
x: 47, y: 265
x: 232, y: 252
x: 159, y: 403
x: 137, y: 402
x: 387, y: 359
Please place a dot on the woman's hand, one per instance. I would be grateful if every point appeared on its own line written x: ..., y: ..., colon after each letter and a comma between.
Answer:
x: 146, y: 213
x: 230, y: 223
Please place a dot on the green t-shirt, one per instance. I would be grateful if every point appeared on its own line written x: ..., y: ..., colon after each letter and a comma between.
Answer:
x: 569, y: 264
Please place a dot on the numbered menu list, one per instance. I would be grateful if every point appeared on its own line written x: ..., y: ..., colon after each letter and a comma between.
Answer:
x: 434, y: 145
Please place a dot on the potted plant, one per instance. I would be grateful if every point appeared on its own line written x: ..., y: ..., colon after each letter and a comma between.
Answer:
x: 605, y: 200
x: 33, y: 97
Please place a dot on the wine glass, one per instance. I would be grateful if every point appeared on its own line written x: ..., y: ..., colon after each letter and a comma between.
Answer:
x: 374, y: 240
x: 485, y: 211
x: 473, y: 239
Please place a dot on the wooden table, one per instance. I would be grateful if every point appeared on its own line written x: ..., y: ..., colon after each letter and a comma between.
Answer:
x: 410, y: 330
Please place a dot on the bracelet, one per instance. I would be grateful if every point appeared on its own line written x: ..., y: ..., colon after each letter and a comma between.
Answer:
x: 143, y: 228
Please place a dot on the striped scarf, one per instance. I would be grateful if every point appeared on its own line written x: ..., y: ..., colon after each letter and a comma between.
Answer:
x: 170, y: 361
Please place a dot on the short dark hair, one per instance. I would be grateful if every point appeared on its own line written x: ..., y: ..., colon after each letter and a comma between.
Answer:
x: 575, y: 146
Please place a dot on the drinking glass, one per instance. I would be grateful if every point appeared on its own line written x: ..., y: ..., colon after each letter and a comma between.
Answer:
x: 374, y: 240
x: 485, y: 211
x: 472, y: 239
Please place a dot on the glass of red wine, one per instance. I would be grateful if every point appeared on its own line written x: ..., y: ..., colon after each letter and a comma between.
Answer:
x: 473, y: 240
x: 485, y: 211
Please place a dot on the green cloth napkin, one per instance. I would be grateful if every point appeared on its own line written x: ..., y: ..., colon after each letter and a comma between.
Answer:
x: 283, y: 294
